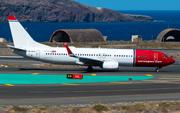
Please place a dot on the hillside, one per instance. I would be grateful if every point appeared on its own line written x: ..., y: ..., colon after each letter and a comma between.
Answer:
x: 62, y: 11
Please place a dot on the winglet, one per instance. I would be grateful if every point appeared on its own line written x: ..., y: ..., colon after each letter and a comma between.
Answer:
x: 68, y: 50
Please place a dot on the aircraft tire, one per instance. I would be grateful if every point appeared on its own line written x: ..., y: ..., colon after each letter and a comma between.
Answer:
x: 157, y: 70
x: 89, y: 69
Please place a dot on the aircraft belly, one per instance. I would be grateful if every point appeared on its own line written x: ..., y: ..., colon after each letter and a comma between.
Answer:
x: 126, y: 62
x: 60, y: 60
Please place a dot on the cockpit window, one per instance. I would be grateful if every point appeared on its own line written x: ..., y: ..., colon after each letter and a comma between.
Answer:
x: 165, y: 56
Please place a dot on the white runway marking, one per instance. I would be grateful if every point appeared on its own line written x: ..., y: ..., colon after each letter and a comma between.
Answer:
x: 11, y: 57
x: 169, y: 78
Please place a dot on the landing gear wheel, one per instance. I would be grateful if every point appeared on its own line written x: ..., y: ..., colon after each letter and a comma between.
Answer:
x: 157, y: 69
x: 89, y: 69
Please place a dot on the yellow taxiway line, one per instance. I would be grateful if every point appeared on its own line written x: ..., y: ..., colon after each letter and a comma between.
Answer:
x: 148, y: 75
x: 9, y: 85
x: 35, y: 73
x: 70, y: 84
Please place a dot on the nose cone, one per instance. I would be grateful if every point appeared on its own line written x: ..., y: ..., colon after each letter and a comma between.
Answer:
x: 171, y: 60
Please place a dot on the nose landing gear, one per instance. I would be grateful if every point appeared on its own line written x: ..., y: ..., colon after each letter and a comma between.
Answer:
x: 157, y: 69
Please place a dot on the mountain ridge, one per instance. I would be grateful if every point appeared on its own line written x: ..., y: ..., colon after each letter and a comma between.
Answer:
x: 62, y: 11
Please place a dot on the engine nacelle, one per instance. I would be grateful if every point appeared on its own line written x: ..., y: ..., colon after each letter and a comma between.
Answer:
x: 110, y: 65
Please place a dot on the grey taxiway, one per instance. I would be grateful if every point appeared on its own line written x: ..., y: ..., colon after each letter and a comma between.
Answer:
x: 165, y: 85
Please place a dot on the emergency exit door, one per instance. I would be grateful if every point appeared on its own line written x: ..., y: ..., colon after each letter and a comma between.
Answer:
x: 37, y: 54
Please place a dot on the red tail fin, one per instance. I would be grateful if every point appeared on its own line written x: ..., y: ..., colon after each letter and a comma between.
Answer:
x: 11, y: 17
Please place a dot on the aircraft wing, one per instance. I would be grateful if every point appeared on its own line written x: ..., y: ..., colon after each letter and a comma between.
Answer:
x: 89, y: 61
x: 83, y: 60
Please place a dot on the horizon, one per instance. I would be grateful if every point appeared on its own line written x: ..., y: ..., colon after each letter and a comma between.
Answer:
x: 148, y: 10
x: 134, y: 5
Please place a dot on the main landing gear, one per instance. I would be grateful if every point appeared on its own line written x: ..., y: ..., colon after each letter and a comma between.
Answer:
x: 89, y: 69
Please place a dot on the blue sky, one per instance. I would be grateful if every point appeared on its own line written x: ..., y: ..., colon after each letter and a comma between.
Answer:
x: 134, y: 4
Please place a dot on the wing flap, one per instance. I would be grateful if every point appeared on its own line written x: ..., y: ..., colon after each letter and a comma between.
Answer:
x: 90, y: 61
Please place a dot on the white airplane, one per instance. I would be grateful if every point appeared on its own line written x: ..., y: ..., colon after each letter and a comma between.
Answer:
x: 109, y: 59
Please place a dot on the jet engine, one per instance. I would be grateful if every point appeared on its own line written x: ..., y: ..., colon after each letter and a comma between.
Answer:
x: 110, y: 65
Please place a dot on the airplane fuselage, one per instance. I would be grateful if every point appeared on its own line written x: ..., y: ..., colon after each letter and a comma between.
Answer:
x: 124, y: 57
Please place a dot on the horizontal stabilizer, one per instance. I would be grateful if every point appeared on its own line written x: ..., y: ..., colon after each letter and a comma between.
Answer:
x: 12, y: 47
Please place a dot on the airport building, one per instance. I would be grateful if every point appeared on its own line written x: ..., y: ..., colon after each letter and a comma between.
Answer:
x: 169, y: 35
x: 77, y: 35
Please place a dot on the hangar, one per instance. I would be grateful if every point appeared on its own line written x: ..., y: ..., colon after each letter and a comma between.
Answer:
x: 169, y: 35
x: 77, y: 35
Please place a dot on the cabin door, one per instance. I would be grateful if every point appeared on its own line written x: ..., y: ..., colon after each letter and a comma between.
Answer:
x: 155, y: 56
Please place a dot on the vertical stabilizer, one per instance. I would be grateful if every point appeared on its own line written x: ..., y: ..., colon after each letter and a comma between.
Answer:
x: 20, y: 36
